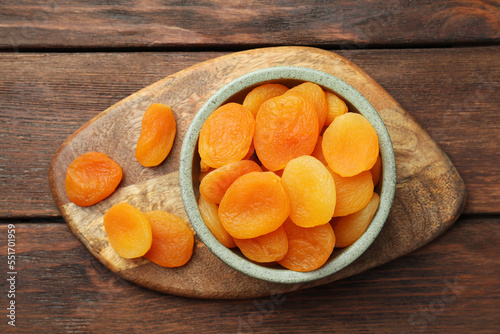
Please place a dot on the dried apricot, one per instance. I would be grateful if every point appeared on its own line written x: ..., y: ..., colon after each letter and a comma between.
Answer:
x: 308, y: 248
x: 157, y: 135
x: 214, y: 185
x: 255, y: 204
x: 266, y: 248
x: 350, y: 145
x: 261, y: 94
x: 376, y: 171
x: 349, y: 228
x: 336, y: 107
x: 226, y: 135
x: 353, y: 192
x: 315, y: 95
x: 173, y: 241
x: 286, y: 128
x: 210, y: 214
x: 311, y: 190
x: 128, y: 230
x: 92, y: 177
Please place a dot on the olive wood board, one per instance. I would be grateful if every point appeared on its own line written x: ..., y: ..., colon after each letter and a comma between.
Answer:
x: 430, y: 194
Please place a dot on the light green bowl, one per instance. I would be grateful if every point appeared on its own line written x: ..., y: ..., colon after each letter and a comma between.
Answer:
x: 235, y: 92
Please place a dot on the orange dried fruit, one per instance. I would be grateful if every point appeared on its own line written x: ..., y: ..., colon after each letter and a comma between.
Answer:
x: 226, y: 135
x: 129, y: 231
x: 353, y: 192
x: 255, y: 204
x: 376, y: 171
x: 261, y: 94
x: 173, y: 241
x: 267, y: 248
x: 214, y: 185
x: 308, y: 248
x: 311, y: 190
x: 157, y: 135
x: 92, y: 177
x: 210, y: 214
x: 349, y: 228
x: 350, y: 145
x: 335, y: 106
x: 315, y: 95
x: 286, y: 128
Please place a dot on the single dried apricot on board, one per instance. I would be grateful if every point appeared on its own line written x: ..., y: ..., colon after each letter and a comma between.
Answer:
x: 311, y: 190
x: 129, y: 231
x: 353, y: 192
x: 157, y: 135
x: 286, y: 127
x: 267, y: 248
x: 350, y: 145
x: 92, y: 177
x: 349, y: 228
x: 255, y: 204
x: 214, y: 185
x: 173, y: 241
x: 261, y: 94
x: 336, y: 107
x: 210, y: 214
x: 226, y: 135
x: 315, y: 95
x: 308, y: 248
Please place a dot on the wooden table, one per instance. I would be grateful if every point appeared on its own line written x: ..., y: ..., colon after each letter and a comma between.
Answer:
x: 61, y: 63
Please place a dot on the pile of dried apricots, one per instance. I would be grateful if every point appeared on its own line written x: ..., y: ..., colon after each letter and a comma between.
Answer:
x: 159, y: 236
x: 288, y: 174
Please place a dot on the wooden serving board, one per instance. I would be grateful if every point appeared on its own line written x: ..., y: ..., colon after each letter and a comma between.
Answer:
x: 430, y: 193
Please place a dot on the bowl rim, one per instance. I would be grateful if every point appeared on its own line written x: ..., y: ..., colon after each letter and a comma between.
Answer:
x: 332, y: 83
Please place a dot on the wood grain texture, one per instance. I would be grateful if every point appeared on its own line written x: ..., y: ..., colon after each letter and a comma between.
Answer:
x: 430, y: 194
x: 236, y: 24
x: 450, y: 285
x: 453, y: 93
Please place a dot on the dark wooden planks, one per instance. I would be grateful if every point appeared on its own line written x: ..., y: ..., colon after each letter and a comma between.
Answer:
x: 449, y: 285
x: 453, y: 94
x: 430, y: 193
x: 216, y: 23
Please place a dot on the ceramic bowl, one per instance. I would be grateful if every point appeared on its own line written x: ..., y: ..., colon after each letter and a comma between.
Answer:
x: 235, y: 92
